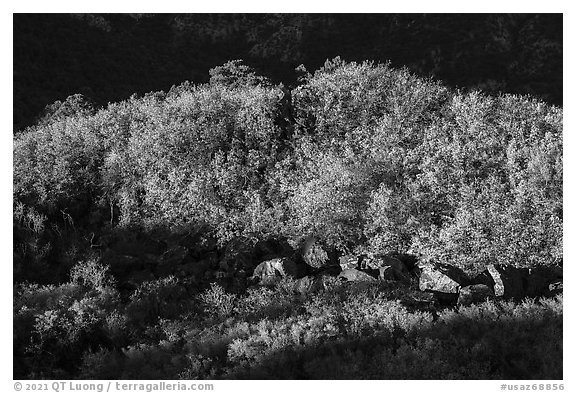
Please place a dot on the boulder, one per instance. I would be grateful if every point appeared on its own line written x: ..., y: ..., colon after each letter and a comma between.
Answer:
x: 484, y: 278
x: 474, y: 294
x: 556, y: 287
x: 312, y: 284
x: 409, y: 260
x: 380, y: 261
x: 517, y: 283
x: 272, y: 271
x: 440, y: 278
x: 509, y: 282
x: 391, y: 273
x: 304, y: 285
x: 356, y: 276
x: 348, y: 262
x: 313, y: 254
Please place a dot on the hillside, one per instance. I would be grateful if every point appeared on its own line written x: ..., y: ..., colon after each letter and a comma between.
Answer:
x: 240, y: 229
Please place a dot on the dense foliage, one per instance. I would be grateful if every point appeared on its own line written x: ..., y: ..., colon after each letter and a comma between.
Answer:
x: 357, y: 158
x: 340, y: 332
x: 107, y: 57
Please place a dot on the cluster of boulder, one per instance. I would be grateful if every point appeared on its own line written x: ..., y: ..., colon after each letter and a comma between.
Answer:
x: 243, y: 263
x: 446, y: 283
x: 451, y: 284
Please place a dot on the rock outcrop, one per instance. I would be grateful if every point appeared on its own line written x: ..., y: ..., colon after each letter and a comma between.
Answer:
x: 348, y: 262
x: 356, y: 275
x: 441, y: 278
x: 474, y: 294
x: 380, y: 261
x: 272, y: 271
x: 391, y: 273
x: 556, y: 287
x: 516, y: 283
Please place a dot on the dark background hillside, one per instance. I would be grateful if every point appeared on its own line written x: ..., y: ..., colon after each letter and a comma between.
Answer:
x: 111, y: 56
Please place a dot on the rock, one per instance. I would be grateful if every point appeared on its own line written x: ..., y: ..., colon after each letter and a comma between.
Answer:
x: 441, y: 278
x: 509, y: 282
x: 379, y: 261
x: 484, y: 278
x: 409, y: 260
x: 356, y: 276
x: 390, y: 273
x: 348, y: 262
x: 272, y: 271
x: 474, y: 294
x: 308, y: 284
x: 517, y: 283
x: 314, y: 254
x: 555, y: 288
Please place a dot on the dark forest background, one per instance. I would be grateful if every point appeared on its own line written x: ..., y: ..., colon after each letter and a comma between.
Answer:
x: 108, y: 57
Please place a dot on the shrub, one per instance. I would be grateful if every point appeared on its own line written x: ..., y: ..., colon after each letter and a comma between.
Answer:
x: 218, y: 303
x: 162, y: 298
x: 91, y: 274
x: 153, y: 361
x: 56, y: 324
x: 235, y: 73
x: 406, y: 165
x: 101, y: 364
x: 357, y: 155
x: 497, y: 203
